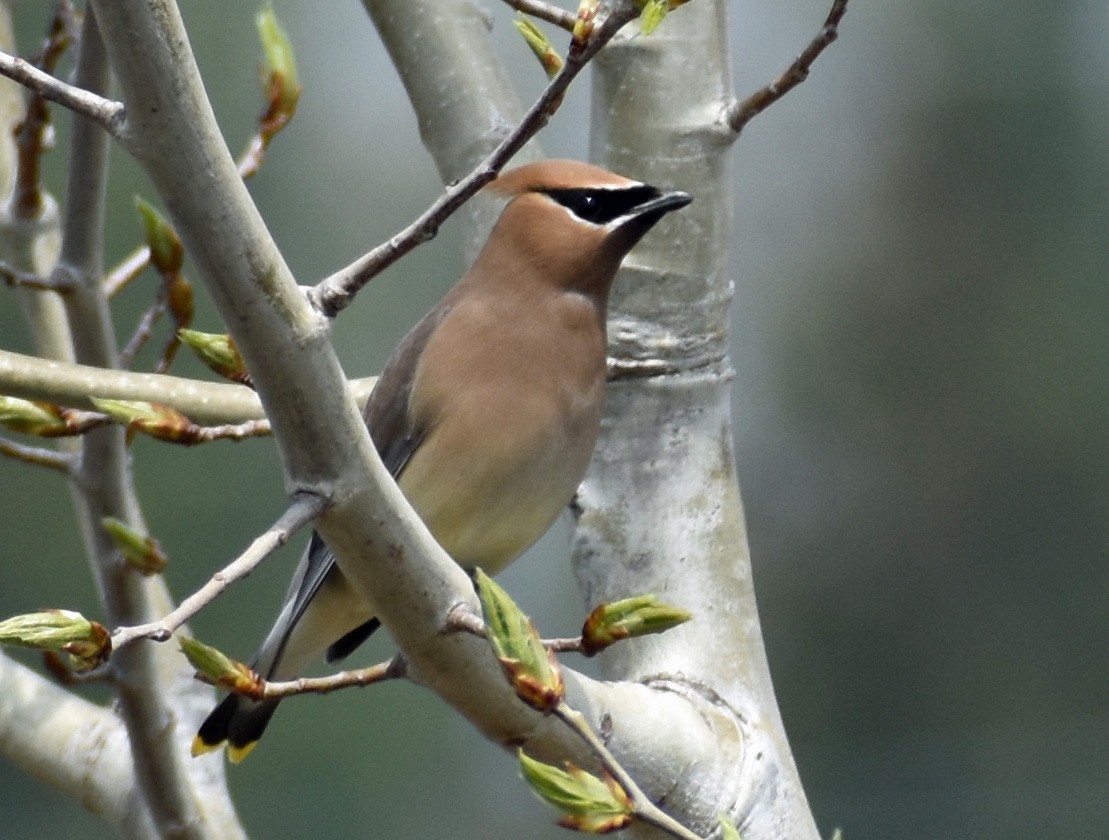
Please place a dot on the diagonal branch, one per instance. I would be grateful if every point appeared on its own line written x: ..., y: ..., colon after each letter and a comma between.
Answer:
x: 740, y: 113
x: 545, y: 11
x: 644, y: 809
x: 333, y: 294
x: 77, y: 747
x: 304, y: 509
x: 107, y: 113
x: 37, y: 456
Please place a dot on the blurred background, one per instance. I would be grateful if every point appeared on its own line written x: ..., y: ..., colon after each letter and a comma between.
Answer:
x: 921, y: 331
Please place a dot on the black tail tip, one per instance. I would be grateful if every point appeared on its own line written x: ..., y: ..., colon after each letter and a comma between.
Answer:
x: 236, y: 720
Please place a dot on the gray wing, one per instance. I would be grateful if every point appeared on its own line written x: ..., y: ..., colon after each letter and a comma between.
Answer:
x: 391, y: 430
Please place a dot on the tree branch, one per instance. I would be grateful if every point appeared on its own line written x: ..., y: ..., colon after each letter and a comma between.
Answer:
x: 333, y: 294
x: 545, y: 11
x: 37, y: 456
x: 740, y: 113
x: 69, y: 384
x: 128, y: 269
x: 102, y: 484
x: 29, y: 280
x: 106, y: 113
x: 393, y: 669
x: 75, y: 746
x: 643, y: 808
x: 304, y: 509
x: 462, y: 620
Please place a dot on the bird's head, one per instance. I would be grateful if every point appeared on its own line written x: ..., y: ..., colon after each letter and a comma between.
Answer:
x: 573, y: 221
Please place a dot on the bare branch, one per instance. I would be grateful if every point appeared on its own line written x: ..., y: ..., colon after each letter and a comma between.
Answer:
x: 304, y: 508
x: 107, y: 113
x: 131, y: 267
x: 68, y: 384
x: 37, y: 455
x: 393, y: 669
x: 78, y: 747
x: 146, y: 700
x: 144, y: 330
x: 333, y: 294
x: 463, y: 620
x: 544, y: 11
x: 233, y: 431
x: 740, y: 113
x: 28, y: 280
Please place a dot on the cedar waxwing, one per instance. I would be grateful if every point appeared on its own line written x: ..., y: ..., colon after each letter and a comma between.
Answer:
x: 487, y: 412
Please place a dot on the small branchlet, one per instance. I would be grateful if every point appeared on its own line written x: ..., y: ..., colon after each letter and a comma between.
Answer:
x: 333, y: 294
x: 170, y: 425
x: 37, y: 456
x: 545, y: 11
x: 740, y: 113
x: 392, y: 669
x: 120, y: 277
x: 25, y: 279
x: 217, y: 668
x: 304, y: 508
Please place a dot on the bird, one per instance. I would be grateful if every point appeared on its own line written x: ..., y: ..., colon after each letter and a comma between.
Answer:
x: 488, y: 411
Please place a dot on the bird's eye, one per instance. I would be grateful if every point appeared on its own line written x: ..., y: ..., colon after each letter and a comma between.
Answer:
x: 587, y: 206
x: 601, y: 206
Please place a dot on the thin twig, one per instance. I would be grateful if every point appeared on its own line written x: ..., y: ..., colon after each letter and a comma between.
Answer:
x: 37, y: 455
x: 739, y: 114
x: 144, y: 330
x: 304, y: 508
x: 462, y: 619
x: 27, y: 280
x: 128, y: 269
x: 233, y: 431
x: 107, y: 113
x: 394, y: 668
x: 333, y: 294
x: 644, y: 809
x: 544, y: 11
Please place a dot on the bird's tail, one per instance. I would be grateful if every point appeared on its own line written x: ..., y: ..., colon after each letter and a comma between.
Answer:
x: 240, y: 721
x: 321, y: 614
x: 237, y: 720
